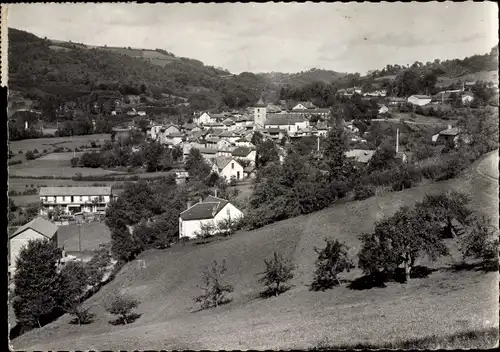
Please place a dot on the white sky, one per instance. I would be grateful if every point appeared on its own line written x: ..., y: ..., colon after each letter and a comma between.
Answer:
x: 278, y: 37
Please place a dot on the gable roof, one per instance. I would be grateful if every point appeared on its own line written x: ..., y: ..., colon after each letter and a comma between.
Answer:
x: 242, y: 151
x: 450, y: 131
x: 420, y: 96
x: 222, y: 161
x: 228, y: 121
x: 40, y: 225
x: 207, y: 209
x: 207, y: 150
x: 75, y: 191
x: 284, y: 119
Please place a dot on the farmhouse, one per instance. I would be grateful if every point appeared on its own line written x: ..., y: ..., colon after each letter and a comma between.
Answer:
x: 37, y: 228
x: 419, y: 100
x: 304, y: 105
x: 227, y: 167
x: 75, y: 199
x: 211, y: 211
x: 451, y: 134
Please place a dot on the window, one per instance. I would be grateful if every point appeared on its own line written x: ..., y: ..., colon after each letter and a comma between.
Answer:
x: 258, y: 110
x: 72, y: 199
x: 81, y: 199
x: 232, y: 165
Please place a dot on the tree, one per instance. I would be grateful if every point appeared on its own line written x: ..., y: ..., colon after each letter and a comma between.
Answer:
x: 74, y: 281
x: 196, y: 165
x: 214, y: 288
x: 266, y: 152
x: 122, y: 306
x: 206, y: 230
x: 332, y: 260
x: 36, y: 281
x: 278, y: 271
x: 400, y: 240
x: 124, y: 246
x: 481, y: 241
x: 143, y: 124
x: 335, y: 148
x: 12, y: 205
x: 444, y: 207
x: 382, y: 159
x: 152, y: 155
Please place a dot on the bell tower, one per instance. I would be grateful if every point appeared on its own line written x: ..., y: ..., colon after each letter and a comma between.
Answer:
x: 259, y: 114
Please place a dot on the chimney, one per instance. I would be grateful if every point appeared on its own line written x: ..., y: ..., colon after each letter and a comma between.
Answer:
x: 201, y: 200
x: 188, y: 204
x: 26, y: 124
x: 215, y: 193
x: 449, y: 127
x: 397, y: 140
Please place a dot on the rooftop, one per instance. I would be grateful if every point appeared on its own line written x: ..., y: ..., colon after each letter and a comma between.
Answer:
x: 241, y: 151
x: 40, y: 225
x: 206, y: 209
x: 284, y: 119
x: 360, y: 155
x: 75, y: 191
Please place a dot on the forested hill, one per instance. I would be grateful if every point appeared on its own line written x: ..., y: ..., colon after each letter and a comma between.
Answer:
x: 49, y: 72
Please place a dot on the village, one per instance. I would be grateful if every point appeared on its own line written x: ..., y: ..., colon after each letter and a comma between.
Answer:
x: 340, y: 193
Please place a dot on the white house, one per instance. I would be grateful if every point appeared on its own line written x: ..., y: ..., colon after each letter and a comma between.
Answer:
x: 419, y: 100
x: 304, y: 105
x: 38, y: 228
x: 211, y: 211
x: 75, y: 199
x: 204, y: 119
x: 360, y: 155
x: 224, y: 144
x: 227, y: 167
x: 245, y: 154
x: 383, y: 109
x: 154, y: 131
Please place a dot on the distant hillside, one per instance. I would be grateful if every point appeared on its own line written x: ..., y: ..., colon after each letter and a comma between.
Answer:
x: 52, y: 72
x: 303, y: 78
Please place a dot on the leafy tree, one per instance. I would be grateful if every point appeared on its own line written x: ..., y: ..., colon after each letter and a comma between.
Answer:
x: 74, y: 281
x: 400, y: 240
x: 152, y: 155
x: 382, y: 159
x: 143, y: 124
x: 124, y: 246
x: 445, y: 207
x: 335, y: 148
x: 278, y: 271
x: 266, y: 152
x: 332, y: 260
x: 97, y: 267
x: 196, y: 165
x: 122, y: 306
x: 214, y: 288
x: 481, y: 241
x: 36, y: 281
x: 12, y: 205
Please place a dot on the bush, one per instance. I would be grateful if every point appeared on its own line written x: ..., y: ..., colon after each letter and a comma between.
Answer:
x: 214, y: 289
x: 45, y: 151
x: 278, y: 271
x: 35, y: 151
x: 15, y: 162
x: 29, y: 155
x: 364, y: 191
x: 332, y: 260
x: 122, y: 306
x: 75, y: 161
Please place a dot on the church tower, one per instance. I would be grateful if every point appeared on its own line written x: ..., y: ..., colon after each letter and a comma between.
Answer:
x: 259, y: 114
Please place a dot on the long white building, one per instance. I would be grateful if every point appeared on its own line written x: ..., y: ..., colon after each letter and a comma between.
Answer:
x: 75, y: 199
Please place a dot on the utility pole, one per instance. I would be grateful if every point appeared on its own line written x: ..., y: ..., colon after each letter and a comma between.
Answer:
x: 397, y: 140
x: 79, y: 237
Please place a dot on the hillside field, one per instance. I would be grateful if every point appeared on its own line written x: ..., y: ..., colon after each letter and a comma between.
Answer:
x: 445, y: 302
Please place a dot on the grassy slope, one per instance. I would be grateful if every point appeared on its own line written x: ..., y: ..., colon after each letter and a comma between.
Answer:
x: 444, y: 303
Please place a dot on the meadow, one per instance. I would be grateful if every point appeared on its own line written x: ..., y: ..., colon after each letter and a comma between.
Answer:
x: 444, y: 301
x: 64, y: 142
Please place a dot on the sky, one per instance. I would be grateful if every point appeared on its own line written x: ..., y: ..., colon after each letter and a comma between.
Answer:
x: 276, y: 37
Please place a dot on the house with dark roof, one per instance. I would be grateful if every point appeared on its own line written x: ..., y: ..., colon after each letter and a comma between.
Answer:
x: 227, y: 167
x: 38, y: 228
x: 289, y: 122
x: 245, y: 154
x: 75, y: 199
x: 209, y: 212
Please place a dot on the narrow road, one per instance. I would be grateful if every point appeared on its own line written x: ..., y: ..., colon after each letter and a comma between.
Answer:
x: 488, y: 167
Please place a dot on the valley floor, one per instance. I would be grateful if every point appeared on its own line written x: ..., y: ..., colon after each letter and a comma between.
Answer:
x: 442, y: 303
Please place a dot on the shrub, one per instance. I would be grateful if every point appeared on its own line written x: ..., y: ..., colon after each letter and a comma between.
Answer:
x: 278, y: 271
x: 122, y: 306
x: 20, y: 152
x: 45, y: 151
x: 124, y: 246
x: 35, y: 151
x: 14, y: 162
x: 364, y: 191
x: 332, y: 260
x: 29, y: 155
x: 214, y: 289
x: 75, y: 161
